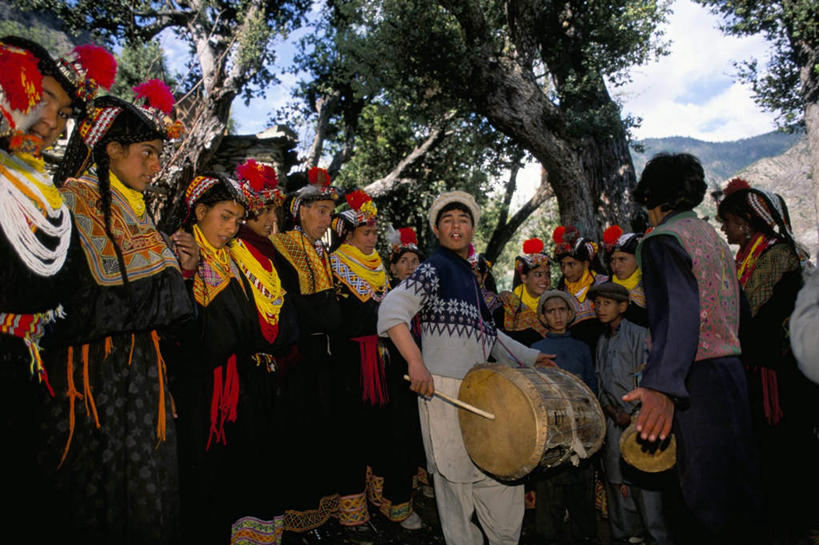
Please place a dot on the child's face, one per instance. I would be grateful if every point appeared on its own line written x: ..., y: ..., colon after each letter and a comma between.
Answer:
x: 555, y: 313
x: 454, y: 231
x: 537, y: 280
x: 220, y: 222
x: 623, y: 264
x: 573, y: 269
x: 608, y: 310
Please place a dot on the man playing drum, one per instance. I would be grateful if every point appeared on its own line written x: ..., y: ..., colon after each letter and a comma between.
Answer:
x: 457, y: 332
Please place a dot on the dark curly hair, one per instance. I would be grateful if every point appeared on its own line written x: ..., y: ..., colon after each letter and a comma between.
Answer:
x: 672, y: 181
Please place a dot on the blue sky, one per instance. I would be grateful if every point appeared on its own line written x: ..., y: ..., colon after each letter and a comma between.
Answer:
x: 691, y: 92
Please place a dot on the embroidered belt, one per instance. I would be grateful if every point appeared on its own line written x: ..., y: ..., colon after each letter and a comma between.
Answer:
x: 31, y: 328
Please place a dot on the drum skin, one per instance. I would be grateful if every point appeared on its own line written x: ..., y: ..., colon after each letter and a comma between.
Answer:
x: 542, y: 417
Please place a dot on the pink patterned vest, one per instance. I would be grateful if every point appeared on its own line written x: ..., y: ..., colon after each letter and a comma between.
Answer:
x: 714, y: 270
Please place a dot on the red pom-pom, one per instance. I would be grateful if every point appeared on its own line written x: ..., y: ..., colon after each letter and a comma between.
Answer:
x: 157, y: 94
x: 357, y: 198
x: 736, y: 184
x: 558, y: 233
x: 408, y: 236
x: 532, y: 246
x: 318, y: 175
x: 99, y: 65
x: 21, y: 81
x: 251, y: 172
x: 612, y: 234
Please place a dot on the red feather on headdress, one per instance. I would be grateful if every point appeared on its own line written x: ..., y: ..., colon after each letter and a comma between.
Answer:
x: 612, y: 234
x: 557, y: 235
x: 357, y: 198
x: 318, y: 175
x: 251, y: 172
x: 734, y: 185
x: 408, y: 236
x: 532, y: 246
x: 20, y: 79
x: 156, y: 93
x: 99, y: 65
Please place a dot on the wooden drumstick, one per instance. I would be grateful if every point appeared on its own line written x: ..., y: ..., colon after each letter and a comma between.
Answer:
x: 459, y: 403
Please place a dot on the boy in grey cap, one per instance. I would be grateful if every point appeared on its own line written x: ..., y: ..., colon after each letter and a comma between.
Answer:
x: 621, y: 355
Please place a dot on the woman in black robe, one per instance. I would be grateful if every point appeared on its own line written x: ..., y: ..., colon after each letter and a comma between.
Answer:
x: 40, y: 262
x: 113, y: 433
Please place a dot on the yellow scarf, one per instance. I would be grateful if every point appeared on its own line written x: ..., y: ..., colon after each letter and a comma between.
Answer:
x: 267, y: 287
x: 34, y: 173
x: 526, y: 299
x: 367, y: 267
x: 219, y: 262
x: 631, y: 282
x: 580, y: 289
x: 135, y: 199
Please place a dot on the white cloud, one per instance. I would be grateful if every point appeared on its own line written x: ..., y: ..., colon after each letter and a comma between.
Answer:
x: 692, y: 91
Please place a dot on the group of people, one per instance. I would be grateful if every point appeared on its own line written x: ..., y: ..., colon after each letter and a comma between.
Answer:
x: 240, y: 380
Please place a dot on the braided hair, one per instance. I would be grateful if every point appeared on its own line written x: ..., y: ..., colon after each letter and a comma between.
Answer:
x: 128, y: 128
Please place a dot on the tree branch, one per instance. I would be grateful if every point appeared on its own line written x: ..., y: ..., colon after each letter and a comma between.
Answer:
x: 325, y: 107
x: 389, y: 182
x: 504, y: 231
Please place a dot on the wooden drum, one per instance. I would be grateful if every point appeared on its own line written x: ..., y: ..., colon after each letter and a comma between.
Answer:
x: 542, y: 417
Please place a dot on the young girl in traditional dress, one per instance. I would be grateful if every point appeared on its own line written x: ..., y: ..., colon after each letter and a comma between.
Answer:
x: 225, y: 377
x: 532, y: 279
x: 364, y: 391
x: 119, y: 464
x: 621, y: 249
x: 575, y: 255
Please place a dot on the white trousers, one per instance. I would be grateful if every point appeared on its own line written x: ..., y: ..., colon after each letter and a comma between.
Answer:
x: 461, y: 488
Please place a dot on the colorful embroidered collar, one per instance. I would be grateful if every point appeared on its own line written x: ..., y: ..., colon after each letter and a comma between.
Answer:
x: 363, y: 274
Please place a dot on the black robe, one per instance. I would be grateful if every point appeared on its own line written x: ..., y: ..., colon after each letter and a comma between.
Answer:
x: 118, y: 482
x: 305, y: 406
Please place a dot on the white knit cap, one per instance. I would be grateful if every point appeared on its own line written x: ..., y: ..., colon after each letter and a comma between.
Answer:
x: 454, y: 196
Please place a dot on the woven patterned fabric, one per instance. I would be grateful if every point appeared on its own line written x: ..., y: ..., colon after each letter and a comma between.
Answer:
x: 352, y: 510
x: 519, y: 317
x: 315, y: 274
x: 143, y: 249
x: 358, y: 286
x: 301, y: 521
x: 253, y: 531
x: 375, y: 493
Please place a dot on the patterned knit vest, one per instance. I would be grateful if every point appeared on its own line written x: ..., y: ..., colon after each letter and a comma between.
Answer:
x: 713, y: 268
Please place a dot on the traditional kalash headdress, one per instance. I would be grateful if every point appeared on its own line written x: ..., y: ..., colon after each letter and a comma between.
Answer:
x: 768, y: 208
x: 224, y: 188
x: 140, y: 123
x: 532, y: 256
x: 765, y: 205
x: 261, y: 180
x: 24, y: 63
x: 318, y: 188
x: 362, y: 211
x: 401, y: 241
x: 614, y: 240
x: 569, y: 243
